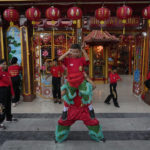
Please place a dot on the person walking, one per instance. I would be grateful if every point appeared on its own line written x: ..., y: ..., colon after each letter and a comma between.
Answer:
x: 14, y: 71
x: 114, y: 77
x: 6, y: 93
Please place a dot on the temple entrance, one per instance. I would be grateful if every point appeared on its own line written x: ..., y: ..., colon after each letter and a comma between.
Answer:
x: 46, y: 47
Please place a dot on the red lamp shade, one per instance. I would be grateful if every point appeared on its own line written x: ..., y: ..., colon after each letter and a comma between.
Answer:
x: 52, y: 13
x: 74, y: 13
x: 11, y: 15
x: 102, y: 13
x: 146, y: 14
x: 124, y: 12
x: 33, y: 14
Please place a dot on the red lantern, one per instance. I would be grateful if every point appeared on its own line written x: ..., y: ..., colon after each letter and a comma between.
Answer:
x: 33, y: 14
x: 102, y: 14
x: 74, y: 13
x: 124, y: 13
x: 146, y: 14
x: 52, y: 13
x: 11, y: 15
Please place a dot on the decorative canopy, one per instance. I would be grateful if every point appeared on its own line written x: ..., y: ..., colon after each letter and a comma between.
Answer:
x: 98, y: 37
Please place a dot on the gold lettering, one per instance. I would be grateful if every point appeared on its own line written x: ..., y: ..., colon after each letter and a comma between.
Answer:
x: 115, y: 20
x: 120, y: 21
x: 136, y: 20
x: 129, y: 21
x: 97, y: 22
x: 111, y: 21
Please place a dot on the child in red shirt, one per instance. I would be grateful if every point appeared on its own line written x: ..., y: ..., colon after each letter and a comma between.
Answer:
x: 14, y: 70
x: 6, y: 92
x: 76, y: 79
x: 56, y: 71
x: 77, y: 96
x: 114, y: 77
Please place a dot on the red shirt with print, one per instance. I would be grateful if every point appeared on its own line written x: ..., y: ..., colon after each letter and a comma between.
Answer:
x: 75, y: 68
x: 57, y: 71
x: 14, y: 70
x: 114, y: 77
x: 5, y: 80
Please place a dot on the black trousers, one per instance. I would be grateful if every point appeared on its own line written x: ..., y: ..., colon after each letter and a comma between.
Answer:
x: 113, y: 94
x: 56, y: 84
x: 5, y: 100
x: 16, y: 86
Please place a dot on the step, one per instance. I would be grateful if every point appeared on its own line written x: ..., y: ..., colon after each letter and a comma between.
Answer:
x: 76, y: 145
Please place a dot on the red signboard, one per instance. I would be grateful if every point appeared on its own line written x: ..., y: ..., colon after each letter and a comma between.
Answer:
x: 114, y: 22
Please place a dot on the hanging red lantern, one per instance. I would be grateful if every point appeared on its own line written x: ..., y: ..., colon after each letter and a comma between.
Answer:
x: 11, y: 15
x: 102, y: 14
x: 33, y: 14
x: 146, y: 14
x: 74, y: 13
x: 52, y: 13
x: 124, y: 13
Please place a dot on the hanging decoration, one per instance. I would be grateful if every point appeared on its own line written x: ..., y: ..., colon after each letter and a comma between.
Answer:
x: 52, y: 13
x: 33, y: 14
x: 124, y: 13
x: 102, y: 14
x: 146, y: 14
x: 11, y: 15
x: 74, y: 13
x: 46, y: 39
x: 45, y: 53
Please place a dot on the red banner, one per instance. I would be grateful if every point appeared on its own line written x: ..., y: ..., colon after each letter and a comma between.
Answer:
x: 115, y: 22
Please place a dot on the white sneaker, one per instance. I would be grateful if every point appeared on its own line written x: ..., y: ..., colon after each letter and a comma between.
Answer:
x: 14, y: 104
x: 2, y: 126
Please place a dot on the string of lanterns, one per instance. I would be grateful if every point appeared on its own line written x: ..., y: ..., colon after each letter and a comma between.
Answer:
x: 74, y: 13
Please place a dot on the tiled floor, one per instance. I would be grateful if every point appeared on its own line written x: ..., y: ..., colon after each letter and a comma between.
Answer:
x: 128, y: 102
x: 126, y: 128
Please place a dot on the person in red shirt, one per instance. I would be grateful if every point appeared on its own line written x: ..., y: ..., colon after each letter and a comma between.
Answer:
x: 6, y: 92
x: 77, y: 96
x: 56, y: 71
x: 14, y: 71
x: 76, y: 80
x: 114, y: 77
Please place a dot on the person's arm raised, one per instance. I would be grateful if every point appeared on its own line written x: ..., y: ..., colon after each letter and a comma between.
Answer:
x: 84, y: 52
x: 64, y: 55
